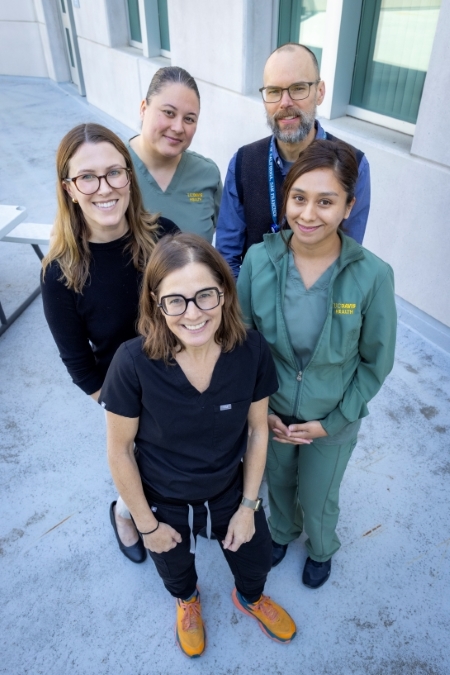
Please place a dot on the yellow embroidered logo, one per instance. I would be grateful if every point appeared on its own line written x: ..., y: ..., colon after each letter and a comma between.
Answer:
x: 195, y: 196
x: 344, y: 308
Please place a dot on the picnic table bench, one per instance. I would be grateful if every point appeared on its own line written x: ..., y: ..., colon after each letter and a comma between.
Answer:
x: 14, y: 230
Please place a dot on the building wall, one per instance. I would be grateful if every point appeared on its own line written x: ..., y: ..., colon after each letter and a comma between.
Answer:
x: 224, y: 44
x: 407, y: 223
x: 31, y: 40
x: 21, y: 51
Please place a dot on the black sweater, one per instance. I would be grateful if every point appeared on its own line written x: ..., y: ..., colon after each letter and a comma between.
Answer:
x: 88, y: 327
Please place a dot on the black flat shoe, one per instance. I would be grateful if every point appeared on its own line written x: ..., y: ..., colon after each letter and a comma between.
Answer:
x: 137, y: 553
x: 315, y: 574
x: 203, y: 534
x: 278, y: 552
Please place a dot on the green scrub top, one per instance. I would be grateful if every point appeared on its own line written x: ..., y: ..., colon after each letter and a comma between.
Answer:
x: 193, y: 197
x: 305, y: 311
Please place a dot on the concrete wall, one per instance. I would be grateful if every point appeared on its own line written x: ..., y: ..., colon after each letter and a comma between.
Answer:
x: 224, y: 44
x: 408, y: 223
x: 433, y: 124
x: 232, y: 51
x: 21, y: 51
x: 31, y: 39
x: 52, y: 39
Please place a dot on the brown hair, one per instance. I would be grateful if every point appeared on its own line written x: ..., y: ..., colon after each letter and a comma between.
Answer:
x: 171, y: 75
x: 69, y: 244
x: 322, y: 154
x: 174, y: 252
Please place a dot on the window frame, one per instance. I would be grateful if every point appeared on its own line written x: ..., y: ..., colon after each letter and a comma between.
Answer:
x: 134, y: 43
x: 150, y: 26
x: 163, y: 15
x: 338, y: 63
x: 367, y: 35
x: 289, y: 15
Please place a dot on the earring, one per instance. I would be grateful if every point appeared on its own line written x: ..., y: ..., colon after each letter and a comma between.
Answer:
x: 75, y: 201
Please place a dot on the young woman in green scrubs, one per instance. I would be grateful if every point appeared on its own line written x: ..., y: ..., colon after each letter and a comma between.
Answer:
x: 326, y: 307
x: 180, y: 184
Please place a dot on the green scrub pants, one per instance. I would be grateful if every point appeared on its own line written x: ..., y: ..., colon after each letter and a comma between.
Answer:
x: 303, y: 482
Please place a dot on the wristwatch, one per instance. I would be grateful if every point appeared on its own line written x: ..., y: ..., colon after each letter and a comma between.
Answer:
x: 255, y: 505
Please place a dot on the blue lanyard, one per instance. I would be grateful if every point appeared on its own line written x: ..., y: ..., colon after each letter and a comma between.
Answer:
x: 272, y: 193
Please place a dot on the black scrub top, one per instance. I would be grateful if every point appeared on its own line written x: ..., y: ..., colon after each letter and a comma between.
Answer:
x: 189, y: 444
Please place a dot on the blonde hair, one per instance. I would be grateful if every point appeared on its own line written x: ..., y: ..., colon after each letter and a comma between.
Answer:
x: 69, y: 244
x: 173, y: 253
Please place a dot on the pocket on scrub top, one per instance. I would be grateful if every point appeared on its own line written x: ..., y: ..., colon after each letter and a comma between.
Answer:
x: 229, y: 420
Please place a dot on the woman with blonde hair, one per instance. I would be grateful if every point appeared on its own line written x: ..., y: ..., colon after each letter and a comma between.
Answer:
x: 91, y: 276
x: 191, y: 396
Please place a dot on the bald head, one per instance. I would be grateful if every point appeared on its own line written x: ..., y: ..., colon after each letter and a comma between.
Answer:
x: 291, y: 117
x: 292, y: 58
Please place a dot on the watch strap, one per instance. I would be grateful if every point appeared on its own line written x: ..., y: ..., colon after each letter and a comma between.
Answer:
x: 255, y: 505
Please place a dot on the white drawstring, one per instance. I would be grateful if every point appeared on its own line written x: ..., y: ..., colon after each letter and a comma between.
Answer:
x: 191, y: 524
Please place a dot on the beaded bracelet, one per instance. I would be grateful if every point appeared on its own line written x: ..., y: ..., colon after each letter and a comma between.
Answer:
x: 143, y: 534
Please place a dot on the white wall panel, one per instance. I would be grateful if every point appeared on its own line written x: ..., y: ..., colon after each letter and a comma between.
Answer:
x: 207, y: 39
x: 113, y: 84
x: 18, y: 10
x: 91, y: 20
x: 21, y: 51
x: 433, y: 122
x: 407, y: 224
x: 39, y: 10
x: 52, y: 38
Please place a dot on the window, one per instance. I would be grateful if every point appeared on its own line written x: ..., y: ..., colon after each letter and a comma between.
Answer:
x: 135, y: 23
x: 393, y: 52
x: 149, y: 26
x: 303, y: 21
x: 164, y: 27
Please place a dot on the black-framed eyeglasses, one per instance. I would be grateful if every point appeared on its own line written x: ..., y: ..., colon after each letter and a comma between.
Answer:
x: 297, y: 91
x: 175, y: 305
x: 89, y: 183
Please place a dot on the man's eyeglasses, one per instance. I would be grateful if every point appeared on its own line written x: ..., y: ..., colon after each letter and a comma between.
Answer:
x: 297, y: 91
x: 175, y: 305
x: 89, y: 183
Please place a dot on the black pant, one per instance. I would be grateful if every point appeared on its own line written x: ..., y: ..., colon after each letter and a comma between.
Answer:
x: 249, y: 565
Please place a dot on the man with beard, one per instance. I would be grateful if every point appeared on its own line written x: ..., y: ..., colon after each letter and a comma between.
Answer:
x: 252, y: 193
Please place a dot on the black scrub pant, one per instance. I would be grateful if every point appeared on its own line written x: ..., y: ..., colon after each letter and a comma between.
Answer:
x: 250, y: 564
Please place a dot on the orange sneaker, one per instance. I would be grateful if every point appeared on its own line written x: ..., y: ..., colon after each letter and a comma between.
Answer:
x: 273, y: 620
x: 189, y: 630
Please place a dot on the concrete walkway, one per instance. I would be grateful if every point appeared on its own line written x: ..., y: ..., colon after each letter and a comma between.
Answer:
x: 73, y: 605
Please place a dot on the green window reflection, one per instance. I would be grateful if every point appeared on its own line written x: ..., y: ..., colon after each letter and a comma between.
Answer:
x: 135, y: 22
x: 164, y: 25
x: 394, y: 47
x: 303, y: 21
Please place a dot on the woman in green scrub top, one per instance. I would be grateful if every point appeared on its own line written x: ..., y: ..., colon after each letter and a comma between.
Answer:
x: 326, y: 307
x: 180, y: 184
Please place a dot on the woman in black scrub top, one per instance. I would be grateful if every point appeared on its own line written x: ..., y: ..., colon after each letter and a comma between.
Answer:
x: 186, y: 403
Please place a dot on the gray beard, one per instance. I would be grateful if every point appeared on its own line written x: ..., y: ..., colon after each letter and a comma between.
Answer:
x: 297, y: 135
